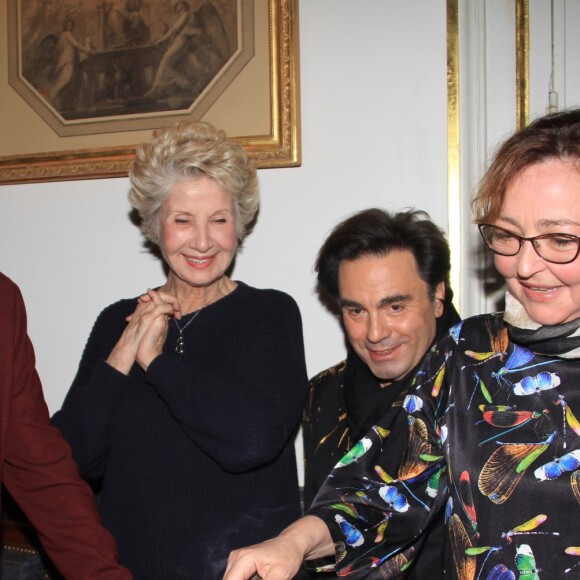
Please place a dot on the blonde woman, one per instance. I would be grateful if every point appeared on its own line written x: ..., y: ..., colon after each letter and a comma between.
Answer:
x: 186, y: 400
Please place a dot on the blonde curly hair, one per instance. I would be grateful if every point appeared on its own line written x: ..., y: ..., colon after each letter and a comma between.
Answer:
x: 186, y: 151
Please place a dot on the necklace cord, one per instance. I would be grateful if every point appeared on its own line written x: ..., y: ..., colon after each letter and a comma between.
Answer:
x: 180, y: 346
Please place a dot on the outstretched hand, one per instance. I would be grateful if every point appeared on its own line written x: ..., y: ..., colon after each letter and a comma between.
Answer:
x: 275, y: 559
x: 281, y: 557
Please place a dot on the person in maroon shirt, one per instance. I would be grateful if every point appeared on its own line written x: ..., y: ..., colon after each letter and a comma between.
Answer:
x: 36, y: 465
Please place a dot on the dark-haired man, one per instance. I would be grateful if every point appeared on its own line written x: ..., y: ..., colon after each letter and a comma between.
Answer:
x: 388, y: 274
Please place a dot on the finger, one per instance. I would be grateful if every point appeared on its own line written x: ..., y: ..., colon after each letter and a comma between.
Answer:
x: 145, y: 315
x: 167, y: 298
x: 152, y: 302
x: 154, y: 296
x: 148, y: 296
x: 240, y: 571
x: 156, y: 311
x: 152, y: 341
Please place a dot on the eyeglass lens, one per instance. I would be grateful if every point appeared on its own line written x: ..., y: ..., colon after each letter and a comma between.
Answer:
x: 558, y: 248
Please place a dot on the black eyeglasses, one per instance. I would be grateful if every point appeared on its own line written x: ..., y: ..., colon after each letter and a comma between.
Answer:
x: 555, y: 248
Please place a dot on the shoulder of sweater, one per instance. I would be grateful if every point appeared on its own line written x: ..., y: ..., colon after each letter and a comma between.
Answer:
x: 124, y: 307
x: 267, y: 297
x: 113, y: 317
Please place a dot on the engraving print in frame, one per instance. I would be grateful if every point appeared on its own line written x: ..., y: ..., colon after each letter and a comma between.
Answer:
x: 259, y: 108
x: 120, y: 65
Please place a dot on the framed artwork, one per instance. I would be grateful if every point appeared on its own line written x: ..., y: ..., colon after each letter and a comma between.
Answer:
x: 547, y: 57
x: 82, y: 83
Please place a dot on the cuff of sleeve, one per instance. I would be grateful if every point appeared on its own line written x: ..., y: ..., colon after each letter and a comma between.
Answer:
x: 158, y: 370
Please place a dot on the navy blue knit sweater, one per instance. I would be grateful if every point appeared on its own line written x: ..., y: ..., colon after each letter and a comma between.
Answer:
x: 196, y: 455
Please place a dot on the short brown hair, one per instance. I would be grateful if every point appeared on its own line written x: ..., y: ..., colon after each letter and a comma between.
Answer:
x: 554, y: 136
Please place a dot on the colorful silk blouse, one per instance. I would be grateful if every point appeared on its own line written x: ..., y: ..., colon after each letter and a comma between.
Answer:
x: 489, y: 435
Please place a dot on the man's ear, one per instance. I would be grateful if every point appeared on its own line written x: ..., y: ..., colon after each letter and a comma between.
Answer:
x: 439, y: 299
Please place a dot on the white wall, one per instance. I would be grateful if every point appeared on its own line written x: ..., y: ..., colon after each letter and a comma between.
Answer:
x: 374, y: 127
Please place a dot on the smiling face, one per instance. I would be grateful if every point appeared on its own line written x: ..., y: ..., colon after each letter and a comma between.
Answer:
x: 542, y: 199
x: 198, y: 233
x: 388, y: 315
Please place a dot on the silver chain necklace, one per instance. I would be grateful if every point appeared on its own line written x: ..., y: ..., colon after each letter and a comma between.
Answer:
x: 179, y: 347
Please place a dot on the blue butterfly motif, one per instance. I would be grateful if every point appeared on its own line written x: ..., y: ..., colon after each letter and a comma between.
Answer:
x: 352, y: 536
x: 444, y: 431
x: 543, y: 381
x: 553, y: 469
x: 412, y: 403
x: 448, y: 509
x: 455, y: 331
x: 393, y: 498
x: 501, y: 572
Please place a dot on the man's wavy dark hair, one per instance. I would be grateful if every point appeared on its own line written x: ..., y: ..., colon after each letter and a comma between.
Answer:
x: 376, y: 232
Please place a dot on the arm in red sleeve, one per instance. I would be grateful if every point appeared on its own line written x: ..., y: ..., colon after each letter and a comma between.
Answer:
x: 36, y: 463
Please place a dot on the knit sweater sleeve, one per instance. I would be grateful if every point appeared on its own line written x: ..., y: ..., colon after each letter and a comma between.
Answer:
x: 84, y: 418
x: 242, y: 404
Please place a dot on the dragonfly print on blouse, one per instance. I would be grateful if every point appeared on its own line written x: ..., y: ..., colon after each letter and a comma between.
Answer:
x: 519, y: 404
x: 525, y: 565
x: 393, y: 488
x: 489, y: 435
x: 507, y: 464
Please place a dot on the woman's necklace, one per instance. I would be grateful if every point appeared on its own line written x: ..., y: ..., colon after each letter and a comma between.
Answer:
x: 179, y: 347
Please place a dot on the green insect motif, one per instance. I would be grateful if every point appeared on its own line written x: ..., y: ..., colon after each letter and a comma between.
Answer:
x: 529, y: 527
x: 526, y: 563
x: 433, y: 484
x: 357, y: 451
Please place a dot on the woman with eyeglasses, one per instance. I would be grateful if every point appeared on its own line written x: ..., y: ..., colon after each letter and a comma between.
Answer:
x: 491, y: 432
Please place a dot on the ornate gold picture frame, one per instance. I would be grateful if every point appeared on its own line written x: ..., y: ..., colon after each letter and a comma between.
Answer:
x: 258, y: 105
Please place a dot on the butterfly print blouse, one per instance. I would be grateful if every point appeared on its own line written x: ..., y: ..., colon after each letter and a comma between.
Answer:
x: 489, y: 436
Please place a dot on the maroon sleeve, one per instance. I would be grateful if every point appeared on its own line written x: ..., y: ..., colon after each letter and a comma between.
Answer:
x: 36, y: 462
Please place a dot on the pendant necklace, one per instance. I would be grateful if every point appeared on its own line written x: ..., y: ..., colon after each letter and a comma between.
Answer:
x: 179, y: 347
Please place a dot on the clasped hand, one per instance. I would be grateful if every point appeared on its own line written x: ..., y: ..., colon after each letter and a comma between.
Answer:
x: 146, y: 331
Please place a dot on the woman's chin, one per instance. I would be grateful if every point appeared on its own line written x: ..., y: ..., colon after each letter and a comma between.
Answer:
x: 550, y: 315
